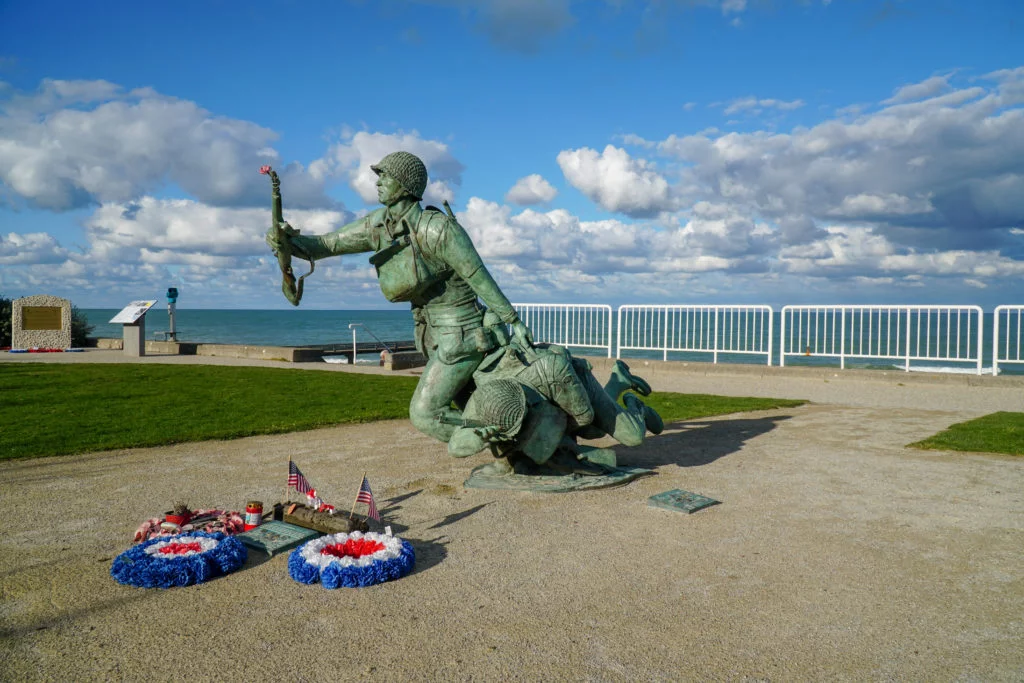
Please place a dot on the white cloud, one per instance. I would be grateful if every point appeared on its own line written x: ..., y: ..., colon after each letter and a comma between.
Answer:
x: 861, y: 252
x: 868, y: 205
x: 755, y: 105
x: 532, y: 189
x: 183, y: 231
x: 616, y: 181
x: 919, y: 91
x: 926, y: 191
x: 636, y: 141
x: 74, y: 143
x: 950, y: 163
x: 356, y: 151
x: 33, y: 247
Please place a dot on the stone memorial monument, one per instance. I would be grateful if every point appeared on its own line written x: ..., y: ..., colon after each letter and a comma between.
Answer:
x: 41, y: 321
x: 424, y: 257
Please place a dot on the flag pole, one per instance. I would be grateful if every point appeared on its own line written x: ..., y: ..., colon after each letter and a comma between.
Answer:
x: 285, y: 499
x: 356, y: 501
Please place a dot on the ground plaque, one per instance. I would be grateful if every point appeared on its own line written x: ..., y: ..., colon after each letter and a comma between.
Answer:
x: 276, y: 537
x: 41, y: 322
x: 681, y: 501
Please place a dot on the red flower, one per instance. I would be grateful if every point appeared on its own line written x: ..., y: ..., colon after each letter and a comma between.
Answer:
x: 353, y: 548
x: 181, y: 548
x: 265, y: 170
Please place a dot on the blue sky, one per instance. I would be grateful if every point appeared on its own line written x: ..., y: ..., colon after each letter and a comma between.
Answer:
x: 716, y: 151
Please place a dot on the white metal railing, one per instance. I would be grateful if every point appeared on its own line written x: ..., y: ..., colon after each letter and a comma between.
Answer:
x: 581, y: 325
x: 710, y: 329
x: 1007, y: 337
x: 353, y: 326
x: 905, y: 333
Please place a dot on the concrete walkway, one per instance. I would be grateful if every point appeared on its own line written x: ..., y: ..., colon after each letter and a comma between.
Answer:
x: 836, y: 553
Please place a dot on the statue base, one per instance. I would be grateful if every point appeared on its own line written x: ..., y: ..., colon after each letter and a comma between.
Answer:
x: 487, y: 477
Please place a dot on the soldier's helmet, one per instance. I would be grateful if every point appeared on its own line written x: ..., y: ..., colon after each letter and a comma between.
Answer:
x: 501, y: 403
x: 407, y: 169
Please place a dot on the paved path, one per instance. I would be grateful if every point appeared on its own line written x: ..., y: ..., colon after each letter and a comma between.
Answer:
x: 836, y: 553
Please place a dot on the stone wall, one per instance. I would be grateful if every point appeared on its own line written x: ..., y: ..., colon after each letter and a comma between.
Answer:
x: 41, y: 321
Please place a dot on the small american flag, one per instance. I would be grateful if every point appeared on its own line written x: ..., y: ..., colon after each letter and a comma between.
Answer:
x: 296, y: 480
x: 366, y: 496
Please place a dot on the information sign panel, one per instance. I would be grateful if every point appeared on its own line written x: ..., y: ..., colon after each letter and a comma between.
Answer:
x: 132, y: 312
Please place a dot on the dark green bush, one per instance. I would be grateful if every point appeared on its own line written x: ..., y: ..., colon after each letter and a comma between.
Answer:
x: 5, y: 322
x: 80, y: 327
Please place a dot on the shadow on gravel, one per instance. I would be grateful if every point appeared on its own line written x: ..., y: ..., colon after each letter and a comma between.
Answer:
x: 700, y: 443
x: 428, y: 553
x: 392, y: 503
x: 456, y: 516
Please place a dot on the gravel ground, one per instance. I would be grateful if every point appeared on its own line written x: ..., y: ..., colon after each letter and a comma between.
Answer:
x: 836, y: 553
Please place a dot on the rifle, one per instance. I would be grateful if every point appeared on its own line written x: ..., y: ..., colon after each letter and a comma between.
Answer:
x: 291, y: 287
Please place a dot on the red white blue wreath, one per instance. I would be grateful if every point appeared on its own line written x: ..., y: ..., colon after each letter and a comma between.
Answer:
x: 180, y: 560
x: 351, y: 560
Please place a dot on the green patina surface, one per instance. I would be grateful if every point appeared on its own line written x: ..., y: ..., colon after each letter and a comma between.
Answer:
x: 681, y: 501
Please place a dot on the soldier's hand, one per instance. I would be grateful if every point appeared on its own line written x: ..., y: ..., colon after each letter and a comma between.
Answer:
x: 522, y: 335
x: 492, y: 434
x: 272, y: 239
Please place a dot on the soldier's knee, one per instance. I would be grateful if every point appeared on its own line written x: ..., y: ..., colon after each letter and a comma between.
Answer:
x: 629, y: 429
x: 631, y: 436
x: 421, y: 414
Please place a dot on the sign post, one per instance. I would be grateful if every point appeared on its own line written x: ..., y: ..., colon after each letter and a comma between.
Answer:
x: 133, y: 318
x: 172, y: 300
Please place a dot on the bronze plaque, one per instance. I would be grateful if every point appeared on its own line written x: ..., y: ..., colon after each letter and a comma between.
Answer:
x: 683, y: 501
x: 41, y: 318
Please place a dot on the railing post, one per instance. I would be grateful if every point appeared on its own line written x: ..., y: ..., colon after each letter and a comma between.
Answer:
x: 715, y: 356
x: 782, y: 337
x: 995, y: 338
x: 771, y: 320
x: 353, y: 344
x: 907, y: 368
x: 618, y: 334
x: 664, y: 334
x: 609, y: 308
x: 842, y: 338
x: 981, y: 335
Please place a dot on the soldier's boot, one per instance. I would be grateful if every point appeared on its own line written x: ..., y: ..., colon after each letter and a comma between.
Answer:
x: 623, y: 380
x: 653, y: 421
x: 603, y: 457
x: 567, y: 460
x: 499, y: 468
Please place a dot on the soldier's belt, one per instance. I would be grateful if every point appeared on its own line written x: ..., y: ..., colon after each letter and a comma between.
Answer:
x: 453, y: 315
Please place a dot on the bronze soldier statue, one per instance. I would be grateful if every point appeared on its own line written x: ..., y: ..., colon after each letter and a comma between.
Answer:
x: 531, y: 406
x: 425, y: 257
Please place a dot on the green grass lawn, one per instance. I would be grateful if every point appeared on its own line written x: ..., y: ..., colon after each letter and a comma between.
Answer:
x: 62, y: 409
x: 996, y: 433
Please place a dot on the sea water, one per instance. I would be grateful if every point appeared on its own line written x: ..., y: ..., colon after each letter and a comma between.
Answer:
x: 297, y: 327
x: 304, y: 327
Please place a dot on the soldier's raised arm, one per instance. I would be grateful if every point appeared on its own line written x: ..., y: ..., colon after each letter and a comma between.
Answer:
x: 352, y: 238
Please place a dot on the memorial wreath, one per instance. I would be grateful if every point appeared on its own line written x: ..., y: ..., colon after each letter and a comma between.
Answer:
x: 351, y: 560
x: 180, y: 560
